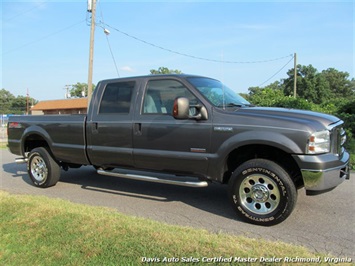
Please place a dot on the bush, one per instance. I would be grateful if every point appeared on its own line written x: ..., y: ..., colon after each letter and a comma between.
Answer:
x: 347, y: 113
x: 295, y: 103
x: 266, y: 97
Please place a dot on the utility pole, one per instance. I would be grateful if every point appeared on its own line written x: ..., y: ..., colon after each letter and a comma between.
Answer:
x: 27, y: 103
x: 92, y: 9
x: 295, y: 76
x: 67, y: 95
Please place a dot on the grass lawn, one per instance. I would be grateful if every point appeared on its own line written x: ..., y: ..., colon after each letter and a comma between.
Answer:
x: 37, y: 230
x: 3, y: 145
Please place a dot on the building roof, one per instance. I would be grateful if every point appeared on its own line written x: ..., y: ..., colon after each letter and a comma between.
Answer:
x: 77, y: 103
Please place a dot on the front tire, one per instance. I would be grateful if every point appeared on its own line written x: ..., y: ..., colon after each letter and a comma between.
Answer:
x: 262, y: 192
x: 43, y: 170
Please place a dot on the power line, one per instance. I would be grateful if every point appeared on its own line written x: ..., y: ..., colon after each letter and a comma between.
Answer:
x: 277, y: 71
x: 192, y: 56
x: 113, y: 57
x: 44, y: 37
x: 202, y: 58
x: 108, y: 41
x: 37, y: 5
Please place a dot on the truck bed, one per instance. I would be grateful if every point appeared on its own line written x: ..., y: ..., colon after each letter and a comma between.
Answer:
x: 65, y: 135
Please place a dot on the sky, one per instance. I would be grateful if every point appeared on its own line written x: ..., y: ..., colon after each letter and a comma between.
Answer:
x: 45, y: 44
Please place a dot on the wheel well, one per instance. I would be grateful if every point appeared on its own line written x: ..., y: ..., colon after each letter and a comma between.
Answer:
x: 35, y: 141
x: 245, y: 153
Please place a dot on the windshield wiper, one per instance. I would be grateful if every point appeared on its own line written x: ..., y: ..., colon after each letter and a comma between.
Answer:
x: 235, y: 105
x: 230, y: 105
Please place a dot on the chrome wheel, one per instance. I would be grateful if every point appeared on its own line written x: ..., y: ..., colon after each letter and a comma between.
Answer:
x: 259, y: 194
x: 39, y: 169
x: 42, y: 169
x: 262, y: 192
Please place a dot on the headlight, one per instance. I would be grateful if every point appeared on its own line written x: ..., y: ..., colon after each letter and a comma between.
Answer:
x: 319, y: 142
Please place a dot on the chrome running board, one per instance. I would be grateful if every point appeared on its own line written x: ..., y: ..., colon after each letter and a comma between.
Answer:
x: 147, y: 178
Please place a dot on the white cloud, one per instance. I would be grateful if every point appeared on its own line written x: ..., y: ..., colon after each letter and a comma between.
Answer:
x: 127, y: 69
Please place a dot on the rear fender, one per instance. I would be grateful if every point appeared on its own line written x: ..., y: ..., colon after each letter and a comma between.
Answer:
x: 35, y: 131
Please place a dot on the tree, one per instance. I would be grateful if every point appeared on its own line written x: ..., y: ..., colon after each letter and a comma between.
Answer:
x: 77, y: 90
x: 339, y: 83
x: 5, y: 101
x: 164, y: 70
x: 266, y: 96
x: 9, y: 104
x: 319, y: 87
x: 273, y: 86
x: 306, y: 83
x: 329, y: 91
x: 254, y: 91
x: 311, y: 85
x: 20, y: 104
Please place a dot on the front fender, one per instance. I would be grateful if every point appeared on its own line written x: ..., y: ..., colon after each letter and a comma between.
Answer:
x: 273, y: 139
x: 277, y: 140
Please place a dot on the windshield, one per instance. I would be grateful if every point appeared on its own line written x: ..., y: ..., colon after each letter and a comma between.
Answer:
x: 217, y: 93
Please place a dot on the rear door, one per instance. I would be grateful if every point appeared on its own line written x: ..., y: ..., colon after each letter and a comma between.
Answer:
x: 109, y: 131
x: 160, y: 141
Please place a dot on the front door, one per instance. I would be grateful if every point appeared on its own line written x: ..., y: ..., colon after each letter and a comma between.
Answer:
x: 163, y: 143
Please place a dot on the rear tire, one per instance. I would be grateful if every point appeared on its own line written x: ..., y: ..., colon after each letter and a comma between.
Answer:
x: 43, y: 170
x: 262, y: 192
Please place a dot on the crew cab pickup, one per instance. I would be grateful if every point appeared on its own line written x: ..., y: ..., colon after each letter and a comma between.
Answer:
x: 190, y: 130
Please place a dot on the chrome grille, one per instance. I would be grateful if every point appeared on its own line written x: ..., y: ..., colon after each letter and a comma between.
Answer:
x: 338, y: 138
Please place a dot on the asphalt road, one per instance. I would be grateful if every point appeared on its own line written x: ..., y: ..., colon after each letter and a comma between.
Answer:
x: 323, y: 223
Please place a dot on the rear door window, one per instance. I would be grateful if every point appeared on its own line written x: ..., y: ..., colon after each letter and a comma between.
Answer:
x: 117, y: 98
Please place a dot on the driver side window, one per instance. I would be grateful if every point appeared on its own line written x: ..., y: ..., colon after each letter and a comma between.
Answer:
x: 161, y: 94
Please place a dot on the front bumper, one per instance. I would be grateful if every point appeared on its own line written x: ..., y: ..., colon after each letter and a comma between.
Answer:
x: 322, y: 173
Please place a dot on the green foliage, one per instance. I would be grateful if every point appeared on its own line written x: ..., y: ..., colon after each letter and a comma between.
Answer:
x: 266, y: 97
x: 80, y: 90
x: 339, y: 83
x: 350, y: 145
x: 329, y: 91
x: 295, y: 103
x: 5, y: 101
x: 319, y: 87
x: 164, y: 70
x: 9, y: 104
x: 346, y: 111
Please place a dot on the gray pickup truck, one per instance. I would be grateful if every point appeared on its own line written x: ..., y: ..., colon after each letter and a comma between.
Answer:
x: 190, y: 130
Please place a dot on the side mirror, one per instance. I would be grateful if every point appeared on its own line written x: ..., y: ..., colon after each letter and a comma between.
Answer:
x: 181, y: 110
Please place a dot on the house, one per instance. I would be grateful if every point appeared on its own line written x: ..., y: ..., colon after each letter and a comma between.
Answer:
x: 67, y: 106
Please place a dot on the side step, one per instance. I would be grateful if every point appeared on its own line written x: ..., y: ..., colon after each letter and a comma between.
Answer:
x: 147, y: 178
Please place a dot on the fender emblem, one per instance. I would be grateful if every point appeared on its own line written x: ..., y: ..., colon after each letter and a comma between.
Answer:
x: 223, y: 129
x: 198, y: 150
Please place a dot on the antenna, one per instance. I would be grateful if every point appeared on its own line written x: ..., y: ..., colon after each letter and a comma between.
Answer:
x: 295, y: 76
x: 224, y: 92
